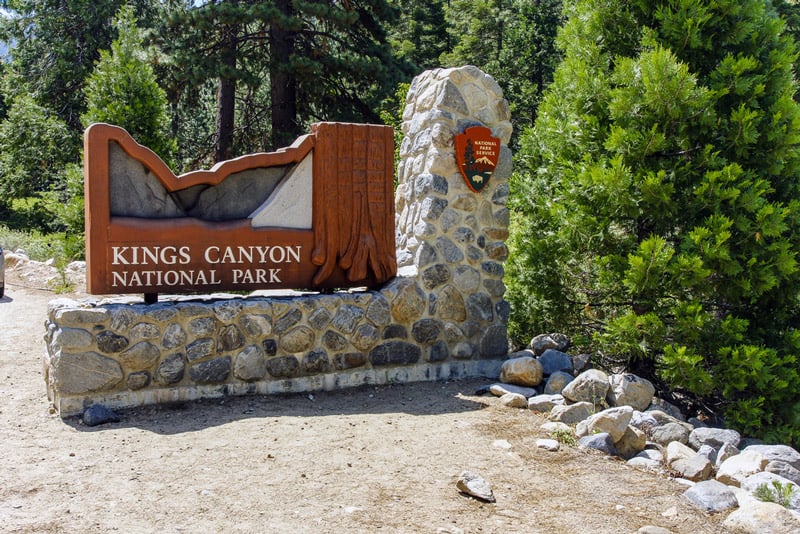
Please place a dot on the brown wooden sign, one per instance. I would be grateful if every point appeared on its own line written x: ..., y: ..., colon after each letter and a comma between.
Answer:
x: 477, y: 153
x: 316, y: 215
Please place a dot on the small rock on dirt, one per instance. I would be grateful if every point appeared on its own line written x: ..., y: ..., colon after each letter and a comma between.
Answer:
x: 476, y: 486
x: 98, y: 414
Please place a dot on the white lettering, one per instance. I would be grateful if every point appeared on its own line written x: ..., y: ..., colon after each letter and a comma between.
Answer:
x: 147, y: 253
x: 273, y: 276
x: 119, y: 277
x: 295, y: 254
x: 119, y: 258
x: 207, y: 254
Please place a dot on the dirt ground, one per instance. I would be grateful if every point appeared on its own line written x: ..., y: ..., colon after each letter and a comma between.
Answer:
x: 370, y: 459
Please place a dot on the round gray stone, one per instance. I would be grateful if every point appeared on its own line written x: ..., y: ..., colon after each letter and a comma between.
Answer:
x: 669, y: 432
x: 174, y: 336
x: 140, y: 356
x: 230, y: 338
x: 395, y: 353
x: 211, y: 371
x: 315, y: 362
x: 85, y: 372
x: 557, y: 382
x: 601, y: 442
x: 714, y: 437
x: 138, y: 380
x: 170, y: 370
x: 283, y: 367
x: 299, y: 339
x: 199, y: 349
x: 711, y: 496
x: 553, y: 361
x: 250, y: 364
x: 589, y: 386
x: 426, y: 331
x: 111, y: 343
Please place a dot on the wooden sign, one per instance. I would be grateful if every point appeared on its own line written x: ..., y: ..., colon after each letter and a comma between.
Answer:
x: 477, y: 153
x: 316, y: 215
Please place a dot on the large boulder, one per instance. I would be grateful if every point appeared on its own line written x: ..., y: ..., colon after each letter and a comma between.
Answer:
x: 780, y: 453
x: 542, y: 342
x: 554, y: 361
x: 545, y: 403
x: 714, y: 437
x: 571, y: 413
x: 756, y: 517
x: 630, y: 390
x: 589, y: 386
x: 601, y: 442
x: 498, y: 390
x: 613, y: 421
x: 632, y: 442
x: 737, y: 468
x: 669, y: 433
x: 711, y: 496
x: 557, y: 382
x: 752, y: 484
x: 522, y: 371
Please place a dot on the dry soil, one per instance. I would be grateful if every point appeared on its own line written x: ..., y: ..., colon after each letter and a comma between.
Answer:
x: 365, y: 460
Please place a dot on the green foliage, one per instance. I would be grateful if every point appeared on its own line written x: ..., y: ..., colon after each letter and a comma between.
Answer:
x: 776, y: 492
x: 36, y: 245
x: 66, y: 206
x: 564, y: 436
x: 392, y: 115
x: 56, y: 45
x: 420, y: 33
x: 655, y: 202
x: 36, y: 146
x: 122, y: 90
x: 513, y: 40
x: 289, y: 63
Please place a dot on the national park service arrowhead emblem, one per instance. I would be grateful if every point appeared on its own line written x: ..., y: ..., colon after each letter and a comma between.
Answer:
x: 477, y: 153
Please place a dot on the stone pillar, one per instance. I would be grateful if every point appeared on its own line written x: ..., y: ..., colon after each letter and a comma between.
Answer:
x: 451, y: 240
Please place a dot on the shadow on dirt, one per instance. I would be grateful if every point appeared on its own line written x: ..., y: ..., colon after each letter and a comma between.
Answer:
x: 417, y: 399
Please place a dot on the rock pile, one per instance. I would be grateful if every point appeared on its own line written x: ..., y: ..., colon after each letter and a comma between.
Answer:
x: 619, y: 415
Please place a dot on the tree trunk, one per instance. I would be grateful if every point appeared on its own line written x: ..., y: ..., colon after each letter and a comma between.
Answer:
x: 283, y: 85
x: 226, y: 96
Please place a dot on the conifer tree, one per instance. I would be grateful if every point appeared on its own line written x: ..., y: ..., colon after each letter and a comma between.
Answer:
x: 55, y: 46
x: 320, y: 60
x: 656, y: 217
x: 513, y: 40
x: 122, y: 90
x: 420, y: 33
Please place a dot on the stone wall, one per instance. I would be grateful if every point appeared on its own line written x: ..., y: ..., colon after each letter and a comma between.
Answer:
x: 442, y: 317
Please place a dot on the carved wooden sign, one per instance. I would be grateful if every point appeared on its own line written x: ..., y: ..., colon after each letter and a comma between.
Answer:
x: 477, y: 153
x: 318, y: 214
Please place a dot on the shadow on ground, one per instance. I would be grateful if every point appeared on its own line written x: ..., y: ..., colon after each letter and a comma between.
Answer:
x: 416, y: 399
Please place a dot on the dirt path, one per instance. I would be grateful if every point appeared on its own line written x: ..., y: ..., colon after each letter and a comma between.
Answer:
x: 364, y: 460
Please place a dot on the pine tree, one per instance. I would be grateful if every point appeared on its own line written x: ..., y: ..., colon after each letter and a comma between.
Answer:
x: 513, y: 40
x: 56, y: 43
x: 36, y: 146
x: 657, y: 216
x: 420, y: 33
x: 123, y: 90
x: 297, y: 62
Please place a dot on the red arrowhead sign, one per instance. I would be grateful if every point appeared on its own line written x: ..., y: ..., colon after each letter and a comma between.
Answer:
x: 477, y: 153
